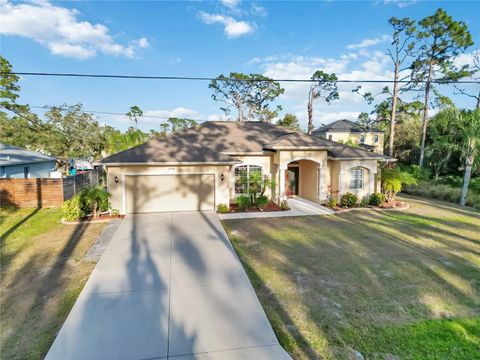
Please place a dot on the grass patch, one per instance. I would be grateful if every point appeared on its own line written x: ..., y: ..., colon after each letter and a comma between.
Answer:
x: 43, y: 272
x: 399, y: 283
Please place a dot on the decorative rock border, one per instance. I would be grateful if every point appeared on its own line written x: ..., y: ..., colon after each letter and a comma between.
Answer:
x: 83, y: 221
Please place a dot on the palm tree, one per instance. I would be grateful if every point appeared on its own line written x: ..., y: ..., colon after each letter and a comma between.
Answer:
x: 469, y: 146
x: 96, y: 198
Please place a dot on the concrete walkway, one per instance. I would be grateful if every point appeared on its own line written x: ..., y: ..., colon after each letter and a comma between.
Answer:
x: 298, y: 207
x: 168, y: 285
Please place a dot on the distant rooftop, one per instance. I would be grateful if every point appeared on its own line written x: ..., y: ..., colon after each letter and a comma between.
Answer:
x: 343, y: 125
x: 14, y: 155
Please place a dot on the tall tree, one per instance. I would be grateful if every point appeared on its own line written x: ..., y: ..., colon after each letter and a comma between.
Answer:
x: 133, y: 114
x: 178, y: 124
x: 9, y: 88
x: 473, y: 72
x: 469, y: 147
x: 73, y: 133
x: 290, y: 121
x: 324, y: 86
x: 441, y: 40
x: 401, y: 48
x: 250, y: 94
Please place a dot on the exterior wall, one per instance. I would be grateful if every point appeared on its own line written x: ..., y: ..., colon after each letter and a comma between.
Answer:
x: 308, y: 180
x: 37, y: 170
x: 334, y: 171
x: 344, y: 137
x: 268, y: 168
x: 117, y: 189
x: 34, y: 193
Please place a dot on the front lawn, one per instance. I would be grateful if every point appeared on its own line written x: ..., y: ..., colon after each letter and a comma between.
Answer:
x: 386, y: 284
x: 43, y: 271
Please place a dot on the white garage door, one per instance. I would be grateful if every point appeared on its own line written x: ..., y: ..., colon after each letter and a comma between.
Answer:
x: 156, y: 193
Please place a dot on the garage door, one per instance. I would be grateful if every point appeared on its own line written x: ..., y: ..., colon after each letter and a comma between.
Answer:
x: 155, y: 193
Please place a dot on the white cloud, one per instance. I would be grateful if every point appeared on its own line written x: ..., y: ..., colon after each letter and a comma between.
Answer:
x: 231, y: 4
x: 179, y: 112
x: 400, y: 3
x: 259, y: 10
x: 349, y: 106
x: 61, y: 31
x: 233, y: 28
x: 369, y: 42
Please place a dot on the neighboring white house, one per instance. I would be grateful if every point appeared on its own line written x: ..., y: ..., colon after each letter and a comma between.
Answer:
x: 18, y: 163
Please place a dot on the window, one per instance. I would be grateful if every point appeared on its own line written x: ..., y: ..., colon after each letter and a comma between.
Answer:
x: 2, y: 172
x: 362, y: 139
x: 242, y: 173
x: 26, y: 172
x: 330, y: 137
x: 356, y: 179
x: 375, y: 138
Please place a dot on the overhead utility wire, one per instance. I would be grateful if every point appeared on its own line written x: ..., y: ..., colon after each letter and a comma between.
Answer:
x: 111, y: 113
x: 194, y: 78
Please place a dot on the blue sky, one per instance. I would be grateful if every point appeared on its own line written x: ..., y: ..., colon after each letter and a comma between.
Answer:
x: 201, y: 38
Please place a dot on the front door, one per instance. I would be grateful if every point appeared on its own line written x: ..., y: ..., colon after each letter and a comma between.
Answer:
x: 292, y: 181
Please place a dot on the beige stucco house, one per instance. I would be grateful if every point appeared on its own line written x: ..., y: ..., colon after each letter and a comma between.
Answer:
x: 202, y: 167
x: 346, y: 131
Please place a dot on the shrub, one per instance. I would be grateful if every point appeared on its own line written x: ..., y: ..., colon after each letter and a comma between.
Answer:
x: 72, y: 209
x: 262, y: 201
x: 284, y: 205
x: 376, y: 199
x: 243, y: 201
x: 332, y: 201
x: 114, y: 212
x: 393, y: 179
x: 223, y: 208
x: 365, y: 201
x: 348, y: 200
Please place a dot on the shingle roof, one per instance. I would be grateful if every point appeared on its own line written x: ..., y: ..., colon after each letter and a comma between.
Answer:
x: 350, y: 152
x: 14, y: 155
x: 214, y: 141
x: 342, y: 126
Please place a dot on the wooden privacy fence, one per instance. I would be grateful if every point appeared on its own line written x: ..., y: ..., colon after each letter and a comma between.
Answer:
x: 45, y: 192
x: 72, y: 185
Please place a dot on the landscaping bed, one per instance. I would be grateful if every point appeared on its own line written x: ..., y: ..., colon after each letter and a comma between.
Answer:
x: 393, y: 205
x: 103, y: 217
x: 234, y: 208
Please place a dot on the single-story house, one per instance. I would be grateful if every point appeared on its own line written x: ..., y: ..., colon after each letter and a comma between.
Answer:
x: 202, y: 167
x: 17, y: 162
x: 345, y: 131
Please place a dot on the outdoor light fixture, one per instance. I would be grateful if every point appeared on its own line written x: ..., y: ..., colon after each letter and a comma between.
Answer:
x: 116, y: 179
x: 222, y: 177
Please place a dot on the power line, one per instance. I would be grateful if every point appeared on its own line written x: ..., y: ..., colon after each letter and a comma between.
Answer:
x: 111, y: 113
x: 194, y: 78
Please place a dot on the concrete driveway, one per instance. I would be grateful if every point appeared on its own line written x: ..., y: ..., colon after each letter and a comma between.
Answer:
x: 168, y: 285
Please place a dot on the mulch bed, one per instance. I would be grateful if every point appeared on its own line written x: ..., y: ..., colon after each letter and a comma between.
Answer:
x: 91, y: 219
x: 269, y: 208
x: 396, y: 205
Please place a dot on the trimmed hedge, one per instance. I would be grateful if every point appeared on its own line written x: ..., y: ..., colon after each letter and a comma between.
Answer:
x: 442, y: 192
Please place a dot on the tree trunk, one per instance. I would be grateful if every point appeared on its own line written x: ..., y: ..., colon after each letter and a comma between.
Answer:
x: 425, y: 114
x: 466, y: 179
x: 478, y: 101
x: 310, y: 111
x: 394, y: 110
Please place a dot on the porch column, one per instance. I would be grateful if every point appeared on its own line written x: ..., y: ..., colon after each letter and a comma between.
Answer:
x: 321, y: 183
x: 340, y: 182
x: 281, y: 182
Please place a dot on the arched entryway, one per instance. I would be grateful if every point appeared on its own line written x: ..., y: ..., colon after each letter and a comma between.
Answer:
x: 303, y: 178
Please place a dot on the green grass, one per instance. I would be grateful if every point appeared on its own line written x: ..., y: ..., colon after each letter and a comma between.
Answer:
x: 43, y: 272
x: 400, y: 283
